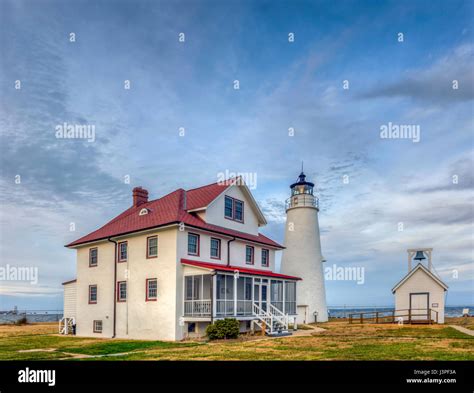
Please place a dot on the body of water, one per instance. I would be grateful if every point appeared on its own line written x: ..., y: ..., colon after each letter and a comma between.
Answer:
x: 7, y: 317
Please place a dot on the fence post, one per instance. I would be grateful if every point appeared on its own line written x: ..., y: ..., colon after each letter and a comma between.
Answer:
x: 361, y: 320
x: 376, y: 317
x: 409, y: 315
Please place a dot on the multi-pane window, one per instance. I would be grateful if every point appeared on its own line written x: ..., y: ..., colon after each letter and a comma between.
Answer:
x: 233, y: 209
x: 238, y: 210
x: 97, y: 326
x: 122, y: 291
x: 215, y: 248
x: 229, y: 207
x: 123, y: 251
x: 265, y: 257
x: 152, y: 247
x: 193, y: 244
x: 92, y: 294
x: 151, y: 289
x: 93, y: 256
x: 249, y: 250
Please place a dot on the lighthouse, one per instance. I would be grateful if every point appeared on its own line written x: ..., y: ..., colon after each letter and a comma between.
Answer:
x: 302, y: 256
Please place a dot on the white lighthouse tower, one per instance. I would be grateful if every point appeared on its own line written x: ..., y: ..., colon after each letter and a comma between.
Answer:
x: 302, y: 256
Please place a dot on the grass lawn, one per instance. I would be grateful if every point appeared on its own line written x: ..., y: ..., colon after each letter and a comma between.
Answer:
x: 341, y: 341
x: 467, y: 322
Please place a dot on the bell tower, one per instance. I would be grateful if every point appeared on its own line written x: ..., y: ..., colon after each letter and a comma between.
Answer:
x: 302, y: 256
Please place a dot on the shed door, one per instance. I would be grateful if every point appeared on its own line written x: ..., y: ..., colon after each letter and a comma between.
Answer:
x: 419, y: 305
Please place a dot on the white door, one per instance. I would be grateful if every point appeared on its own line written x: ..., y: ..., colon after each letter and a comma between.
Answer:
x: 261, y: 294
x: 419, y: 305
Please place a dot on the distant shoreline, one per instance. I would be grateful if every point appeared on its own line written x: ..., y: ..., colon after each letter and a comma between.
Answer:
x: 37, y: 316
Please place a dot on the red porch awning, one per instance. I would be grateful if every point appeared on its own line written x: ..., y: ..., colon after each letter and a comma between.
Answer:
x: 240, y: 269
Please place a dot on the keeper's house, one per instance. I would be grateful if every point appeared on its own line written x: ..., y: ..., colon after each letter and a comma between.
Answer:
x: 165, y: 269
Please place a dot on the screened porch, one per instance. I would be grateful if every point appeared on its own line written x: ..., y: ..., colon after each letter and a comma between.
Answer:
x: 230, y: 295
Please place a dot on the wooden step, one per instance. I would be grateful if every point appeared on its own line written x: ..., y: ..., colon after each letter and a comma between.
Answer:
x: 421, y: 322
x: 280, y: 334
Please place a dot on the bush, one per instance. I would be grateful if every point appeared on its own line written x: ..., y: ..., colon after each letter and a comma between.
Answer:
x: 223, y: 329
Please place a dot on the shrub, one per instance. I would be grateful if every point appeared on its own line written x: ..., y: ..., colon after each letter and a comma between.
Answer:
x: 223, y: 329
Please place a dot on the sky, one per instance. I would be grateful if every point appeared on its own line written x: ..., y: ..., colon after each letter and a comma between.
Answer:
x: 317, y: 82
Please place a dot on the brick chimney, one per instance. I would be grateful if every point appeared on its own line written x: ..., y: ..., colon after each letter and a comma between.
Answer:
x: 140, y: 196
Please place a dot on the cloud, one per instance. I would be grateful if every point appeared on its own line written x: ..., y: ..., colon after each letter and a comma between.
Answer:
x: 458, y: 177
x: 434, y: 84
x: 274, y: 210
x: 190, y: 85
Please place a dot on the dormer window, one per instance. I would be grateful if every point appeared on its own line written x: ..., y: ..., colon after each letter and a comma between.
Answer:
x: 238, y: 210
x: 234, y: 209
x: 229, y: 207
x: 143, y: 212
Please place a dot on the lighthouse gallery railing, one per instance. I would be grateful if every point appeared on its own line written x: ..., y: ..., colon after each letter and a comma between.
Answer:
x: 302, y: 200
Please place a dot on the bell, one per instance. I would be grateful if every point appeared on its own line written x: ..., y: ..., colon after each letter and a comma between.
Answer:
x: 419, y: 256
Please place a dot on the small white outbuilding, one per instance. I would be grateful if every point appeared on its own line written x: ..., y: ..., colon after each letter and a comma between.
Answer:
x: 420, y: 295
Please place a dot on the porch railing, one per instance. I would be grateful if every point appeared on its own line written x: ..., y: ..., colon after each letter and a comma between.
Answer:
x: 224, y: 307
x: 202, y: 308
x: 197, y: 308
x: 244, y: 307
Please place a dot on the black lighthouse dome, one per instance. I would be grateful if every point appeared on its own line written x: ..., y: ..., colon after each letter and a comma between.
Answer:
x: 301, y: 186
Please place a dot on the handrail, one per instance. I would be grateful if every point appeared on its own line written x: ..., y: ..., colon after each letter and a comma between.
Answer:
x: 280, y: 316
x: 276, y: 310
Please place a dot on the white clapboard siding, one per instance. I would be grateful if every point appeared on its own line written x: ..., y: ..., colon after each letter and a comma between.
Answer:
x: 70, y: 300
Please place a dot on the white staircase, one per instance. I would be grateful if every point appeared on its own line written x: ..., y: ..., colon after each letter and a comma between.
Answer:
x: 272, y: 320
x: 66, y: 324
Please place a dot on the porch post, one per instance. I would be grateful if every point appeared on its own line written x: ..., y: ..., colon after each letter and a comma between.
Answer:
x: 284, y: 297
x: 214, y: 295
x: 235, y: 294
x: 253, y: 294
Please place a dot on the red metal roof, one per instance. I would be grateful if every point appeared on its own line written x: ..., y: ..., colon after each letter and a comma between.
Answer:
x: 170, y: 210
x: 203, y: 196
x: 161, y: 211
x: 243, y: 270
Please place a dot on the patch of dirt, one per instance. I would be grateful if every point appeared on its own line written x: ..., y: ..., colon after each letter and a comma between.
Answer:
x: 37, y: 350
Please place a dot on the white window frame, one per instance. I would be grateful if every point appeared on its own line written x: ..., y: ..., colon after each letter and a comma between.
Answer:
x: 148, y: 281
x: 94, y: 326
x: 119, y: 291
